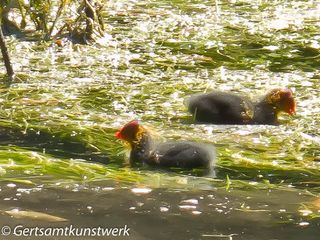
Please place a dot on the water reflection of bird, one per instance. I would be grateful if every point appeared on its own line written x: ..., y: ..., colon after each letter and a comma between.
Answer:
x: 180, y: 154
x: 228, y: 108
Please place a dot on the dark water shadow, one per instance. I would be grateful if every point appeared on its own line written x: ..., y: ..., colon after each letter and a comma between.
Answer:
x: 163, y: 212
x: 45, y: 142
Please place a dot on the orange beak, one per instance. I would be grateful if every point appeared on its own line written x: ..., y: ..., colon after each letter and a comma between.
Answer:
x: 292, y: 108
x: 119, y: 135
x: 292, y: 111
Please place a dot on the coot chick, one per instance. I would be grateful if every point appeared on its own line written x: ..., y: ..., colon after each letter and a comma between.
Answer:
x: 181, y: 154
x: 228, y: 108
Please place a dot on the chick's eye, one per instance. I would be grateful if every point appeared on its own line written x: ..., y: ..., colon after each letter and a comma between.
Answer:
x: 275, y: 97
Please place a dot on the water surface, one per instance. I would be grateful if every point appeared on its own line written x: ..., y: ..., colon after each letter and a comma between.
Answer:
x: 58, y: 153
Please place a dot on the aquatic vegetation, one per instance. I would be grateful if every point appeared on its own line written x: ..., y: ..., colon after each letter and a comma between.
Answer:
x: 67, y: 102
x: 78, y: 21
x: 74, y: 100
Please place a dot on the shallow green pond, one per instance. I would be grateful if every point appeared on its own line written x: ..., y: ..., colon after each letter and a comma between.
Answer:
x: 59, y: 156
